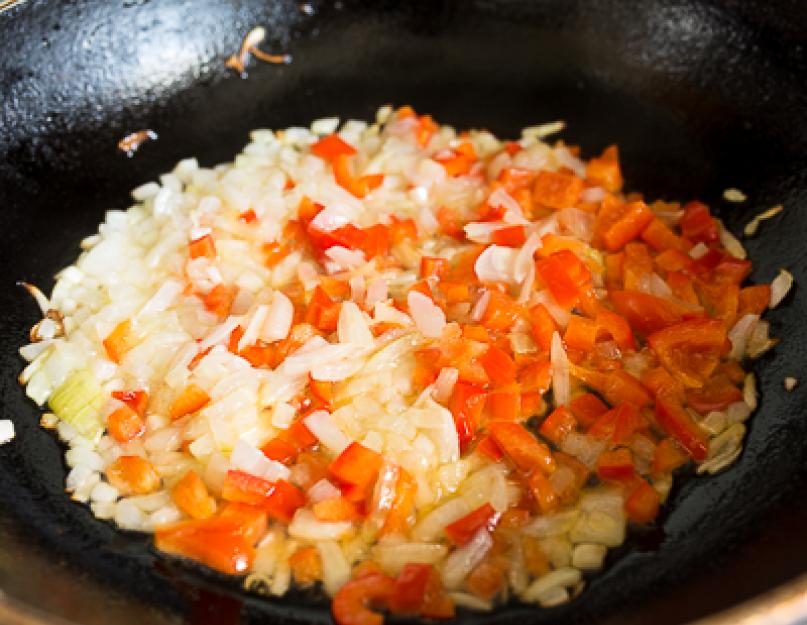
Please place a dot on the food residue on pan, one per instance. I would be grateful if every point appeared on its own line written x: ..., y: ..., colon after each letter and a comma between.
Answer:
x: 417, y: 367
x: 250, y: 46
x: 790, y: 383
x: 753, y: 225
x: 734, y: 195
x: 132, y: 142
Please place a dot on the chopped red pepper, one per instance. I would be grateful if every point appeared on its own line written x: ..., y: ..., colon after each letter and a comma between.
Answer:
x: 521, y: 446
x: 464, y: 529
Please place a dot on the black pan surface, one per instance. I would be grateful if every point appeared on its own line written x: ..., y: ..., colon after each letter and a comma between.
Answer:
x: 700, y: 95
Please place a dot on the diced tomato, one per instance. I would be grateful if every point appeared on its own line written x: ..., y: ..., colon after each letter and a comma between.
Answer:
x: 133, y: 475
x: 511, y: 236
x: 203, y: 247
x: 357, y: 465
x: 500, y: 313
x: 605, y: 171
x: 521, y: 446
x: 401, y: 512
x: 461, y: 531
x: 581, y: 334
x: 328, y: 148
x: 191, y: 496
x: 119, y: 341
x: 619, y: 425
x: 488, y: 579
x: 690, y: 350
x: 587, y: 408
x: 754, y: 300
x: 668, y: 456
x: 565, y: 276
x: 250, y: 520
x: 616, y: 465
x: 431, y: 267
x: 125, y: 425
x: 499, y: 366
x: 558, y: 425
x: 542, y: 325
x: 556, y: 189
x: 616, y: 387
x: 488, y: 448
x: 192, y: 399
x: 351, y: 603
x: 542, y: 492
x: 535, y: 377
x: 217, y: 543
x: 280, y: 450
x: 219, y: 300
x: 697, y: 224
x: 675, y: 420
x: 248, y: 216
x: 344, y: 177
x: 717, y: 394
x: 459, y: 161
x: 306, y: 566
x: 659, y: 382
x: 504, y: 403
x: 617, y: 327
x: 673, y: 260
x: 322, y: 311
x: 335, y: 509
x: 618, y: 223
x: 642, y: 505
x: 137, y: 400
x: 645, y: 313
x: 466, y: 405
x: 660, y: 237
x: 280, y: 499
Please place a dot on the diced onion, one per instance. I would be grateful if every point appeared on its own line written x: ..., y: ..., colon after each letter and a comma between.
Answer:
x: 429, y: 318
x: 335, y: 569
x: 322, y: 490
x: 279, y: 318
x: 430, y: 526
x: 561, y: 379
x: 327, y: 432
x: 305, y: 526
x: 444, y: 384
x: 496, y: 264
x: 464, y: 559
x: 739, y: 335
x: 780, y: 287
x: 251, y: 460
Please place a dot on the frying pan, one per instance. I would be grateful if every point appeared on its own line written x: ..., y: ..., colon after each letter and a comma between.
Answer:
x: 700, y: 95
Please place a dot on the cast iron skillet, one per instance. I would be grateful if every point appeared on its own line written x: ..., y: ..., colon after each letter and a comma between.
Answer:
x: 699, y: 94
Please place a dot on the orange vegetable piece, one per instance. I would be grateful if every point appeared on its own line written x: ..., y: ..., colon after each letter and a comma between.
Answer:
x: 488, y: 448
x: 660, y: 237
x: 351, y: 604
x: 466, y: 405
x: 558, y: 425
x: 604, y: 170
x: 512, y: 236
x: 616, y: 465
x: 581, y: 333
x: 617, y: 327
x: 248, y: 216
x: 565, y: 275
x: 556, y: 189
x: 306, y: 566
x: 616, y: 387
x: 217, y: 543
x: 659, y: 382
x: 125, y: 425
x: 357, y: 466
x: 754, y: 300
x: 504, y: 404
x: 137, y: 400
x: 335, y: 509
x: 587, y: 408
x: 191, y: 496
x: 499, y: 366
x: 521, y: 446
x: 542, y: 325
x: 462, y: 530
x: 203, y: 247
x: 119, y: 341
x: 543, y: 493
x: 401, y: 512
x: 280, y: 499
x: 675, y: 420
x: 690, y: 350
x: 251, y: 521
x: 192, y: 399
x: 535, y: 377
x: 219, y: 300
x: 717, y: 394
x: 642, y: 505
x: 133, y: 475
x: 668, y: 456
x: 280, y: 450
x: 487, y: 579
x: 618, y: 223
x: 645, y: 313
x: 328, y: 148
x: 431, y: 267
x: 501, y: 312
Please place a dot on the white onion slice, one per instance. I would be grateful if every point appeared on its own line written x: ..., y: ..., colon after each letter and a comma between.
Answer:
x: 739, y: 335
x: 327, y: 432
x: 279, y: 318
x: 780, y: 287
x: 561, y: 379
x: 428, y: 316
x: 463, y: 560
x: 444, y: 384
x: 496, y: 264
